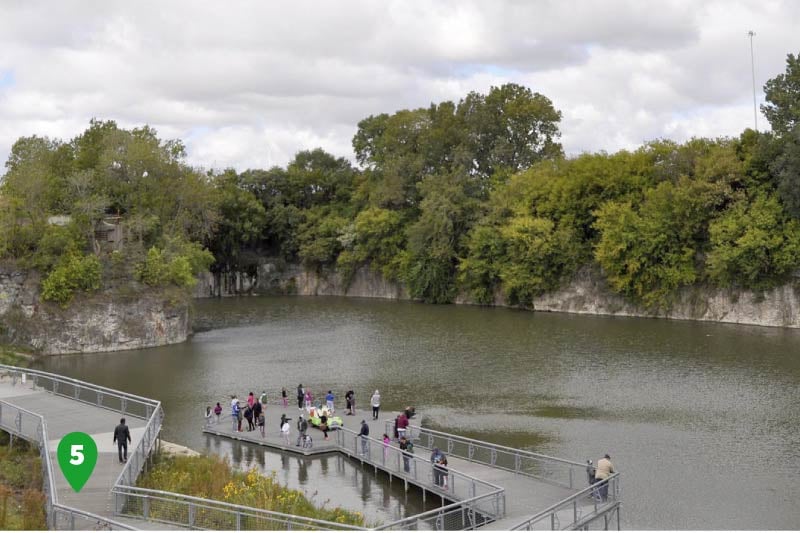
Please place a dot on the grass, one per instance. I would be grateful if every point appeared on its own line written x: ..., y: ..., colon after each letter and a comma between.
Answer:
x: 11, y: 355
x: 212, y: 477
x: 21, y: 497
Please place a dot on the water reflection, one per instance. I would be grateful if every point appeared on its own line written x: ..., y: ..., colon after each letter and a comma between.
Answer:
x: 692, y: 405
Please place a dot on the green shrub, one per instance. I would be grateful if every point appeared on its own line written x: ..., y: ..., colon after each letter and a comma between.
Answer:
x: 72, y: 273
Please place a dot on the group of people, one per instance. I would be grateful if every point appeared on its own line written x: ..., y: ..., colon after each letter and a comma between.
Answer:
x: 599, y: 475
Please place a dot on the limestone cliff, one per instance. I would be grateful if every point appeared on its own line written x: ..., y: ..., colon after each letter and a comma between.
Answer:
x: 586, y: 293
x: 90, y: 324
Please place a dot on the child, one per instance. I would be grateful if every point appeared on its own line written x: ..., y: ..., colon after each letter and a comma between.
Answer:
x: 261, y: 423
x: 284, y: 397
x: 386, y: 442
x: 218, y: 411
x: 208, y: 415
x: 285, y: 429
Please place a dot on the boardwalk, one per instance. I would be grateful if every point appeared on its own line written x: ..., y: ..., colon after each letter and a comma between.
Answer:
x: 524, y: 495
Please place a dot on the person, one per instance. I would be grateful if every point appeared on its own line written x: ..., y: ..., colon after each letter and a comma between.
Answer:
x: 349, y: 398
x: 590, y: 471
x: 251, y: 399
x: 263, y: 398
x: 439, y: 462
x: 410, y: 412
x: 239, y: 413
x: 258, y: 408
x: 284, y: 397
x: 603, y: 471
x: 407, y: 448
x: 235, y: 412
x: 402, y: 424
x: 376, y: 404
x: 285, y: 429
x: 208, y: 415
x: 396, y: 434
x: 364, y: 433
x: 248, y: 414
x: 323, y: 424
x: 122, y: 436
x: 386, y: 442
x: 308, y: 398
x: 329, y: 401
x: 218, y: 411
x: 261, y: 422
x: 283, y: 421
x: 301, y: 394
x: 302, y: 427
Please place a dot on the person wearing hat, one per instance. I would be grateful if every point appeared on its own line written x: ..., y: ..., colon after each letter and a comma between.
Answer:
x: 603, y: 471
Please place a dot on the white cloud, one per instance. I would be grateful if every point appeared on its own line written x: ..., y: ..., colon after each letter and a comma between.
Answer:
x: 249, y: 84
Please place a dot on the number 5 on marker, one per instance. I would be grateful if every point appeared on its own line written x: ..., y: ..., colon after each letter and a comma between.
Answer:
x: 77, y: 455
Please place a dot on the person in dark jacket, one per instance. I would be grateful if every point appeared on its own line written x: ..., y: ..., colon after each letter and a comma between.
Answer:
x: 122, y: 436
x: 301, y: 394
x: 302, y: 427
x: 364, y: 433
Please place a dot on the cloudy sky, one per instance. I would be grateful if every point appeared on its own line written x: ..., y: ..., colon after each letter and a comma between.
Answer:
x: 248, y: 84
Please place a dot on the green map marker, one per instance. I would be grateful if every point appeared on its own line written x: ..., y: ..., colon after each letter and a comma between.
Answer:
x: 77, y: 455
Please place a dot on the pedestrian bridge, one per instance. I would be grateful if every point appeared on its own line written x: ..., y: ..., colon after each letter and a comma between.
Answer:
x: 487, y: 485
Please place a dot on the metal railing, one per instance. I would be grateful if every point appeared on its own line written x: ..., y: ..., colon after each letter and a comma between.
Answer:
x: 549, y: 469
x: 121, y: 402
x: 201, y: 513
x: 476, y: 495
x: 32, y: 427
x: 572, y: 512
x: 453, y: 517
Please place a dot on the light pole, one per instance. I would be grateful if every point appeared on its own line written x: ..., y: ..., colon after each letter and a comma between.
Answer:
x: 752, y: 34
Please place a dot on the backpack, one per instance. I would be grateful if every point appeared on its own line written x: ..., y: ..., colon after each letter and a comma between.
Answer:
x: 303, y: 425
x: 410, y: 447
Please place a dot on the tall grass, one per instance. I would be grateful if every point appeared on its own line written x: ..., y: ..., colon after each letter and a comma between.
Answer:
x: 21, y: 497
x: 213, y: 477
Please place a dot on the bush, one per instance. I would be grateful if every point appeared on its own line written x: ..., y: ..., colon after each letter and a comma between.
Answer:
x: 72, y: 273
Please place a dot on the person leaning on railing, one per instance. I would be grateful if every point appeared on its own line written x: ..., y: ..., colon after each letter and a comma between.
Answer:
x: 603, y: 471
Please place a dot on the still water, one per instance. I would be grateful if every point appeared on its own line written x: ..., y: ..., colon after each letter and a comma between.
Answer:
x: 703, y: 420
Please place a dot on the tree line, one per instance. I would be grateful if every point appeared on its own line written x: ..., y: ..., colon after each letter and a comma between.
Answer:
x: 472, y: 197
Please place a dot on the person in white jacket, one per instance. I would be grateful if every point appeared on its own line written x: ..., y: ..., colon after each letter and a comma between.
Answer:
x: 376, y: 404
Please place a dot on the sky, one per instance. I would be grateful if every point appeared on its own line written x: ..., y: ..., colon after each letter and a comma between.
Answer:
x: 248, y: 84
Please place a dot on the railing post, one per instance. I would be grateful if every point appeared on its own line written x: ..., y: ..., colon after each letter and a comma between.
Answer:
x: 574, y: 511
x: 471, y: 451
x: 553, y: 521
x: 518, y: 463
x: 18, y: 422
x: 570, y: 477
x: 238, y: 521
x: 191, y: 514
x: 124, y: 405
x: 146, y: 507
x: 493, y: 458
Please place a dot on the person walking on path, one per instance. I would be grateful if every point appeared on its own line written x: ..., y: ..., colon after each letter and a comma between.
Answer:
x: 218, y: 411
x: 301, y: 394
x: 239, y: 417
x: 208, y: 416
x: 329, y: 401
x: 604, y: 470
x: 302, y: 427
x: 407, y: 448
x: 283, y: 421
x: 376, y: 404
x: 285, y: 429
x: 402, y: 424
x: 350, y: 399
x: 284, y: 397
x: 263, y: 399
x: 364, y: 433
x: 308, y: 398
x: 122, y: 436
x: 261, y: 422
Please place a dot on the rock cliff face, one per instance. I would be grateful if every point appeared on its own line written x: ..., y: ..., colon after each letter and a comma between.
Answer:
x: 586, y: 293
x: 95, y: 324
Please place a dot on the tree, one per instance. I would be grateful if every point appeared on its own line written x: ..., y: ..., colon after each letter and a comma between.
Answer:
x: 753, y: 245
x: 782, y: 94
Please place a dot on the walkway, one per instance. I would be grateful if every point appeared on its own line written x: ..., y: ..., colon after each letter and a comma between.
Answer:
x: 78, y: 407
x: 525, y: 483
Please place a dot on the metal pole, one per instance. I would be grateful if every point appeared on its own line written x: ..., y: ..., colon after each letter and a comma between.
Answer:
x: 752, y: 34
